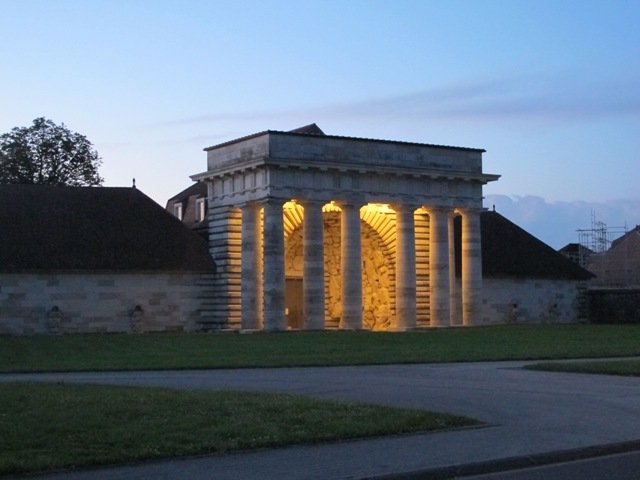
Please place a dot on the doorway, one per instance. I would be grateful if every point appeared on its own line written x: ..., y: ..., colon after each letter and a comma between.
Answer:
x: 293, y: 303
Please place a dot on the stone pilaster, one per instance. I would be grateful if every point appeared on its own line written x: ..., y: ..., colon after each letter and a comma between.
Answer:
x: 221, y: 300
x: 439, y: 267
x: 471, y: 267
x: 454, y: 290
x: 274, y: 276
x: 405, y: 268
x: 251, y: 259
x: 313, y: 280
x: 351, y: 267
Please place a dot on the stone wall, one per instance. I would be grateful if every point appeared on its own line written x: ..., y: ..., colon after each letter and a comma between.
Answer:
x: 614, y: 305
x: 96, y: 303
x: 532, y: 301
x: 618, y: 267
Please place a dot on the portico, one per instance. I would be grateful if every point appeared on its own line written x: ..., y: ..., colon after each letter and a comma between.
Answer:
x: 365, y: 225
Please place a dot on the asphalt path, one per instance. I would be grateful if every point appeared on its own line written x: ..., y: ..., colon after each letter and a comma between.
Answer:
x: 528, y: 414
x: 622, y: 466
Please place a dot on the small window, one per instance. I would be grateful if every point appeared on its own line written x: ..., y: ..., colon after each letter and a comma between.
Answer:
x: 200, y: 210
x: 177, y: 211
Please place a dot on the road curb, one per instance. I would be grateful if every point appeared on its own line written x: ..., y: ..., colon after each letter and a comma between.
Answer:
x: 514, y: 463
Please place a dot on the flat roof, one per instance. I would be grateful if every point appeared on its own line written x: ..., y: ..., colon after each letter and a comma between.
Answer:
x: 354, y: 139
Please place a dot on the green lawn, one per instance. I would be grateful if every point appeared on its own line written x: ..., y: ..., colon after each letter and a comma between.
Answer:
x: 47, y: 427
x: 58, y: 426
x: 232, y: 350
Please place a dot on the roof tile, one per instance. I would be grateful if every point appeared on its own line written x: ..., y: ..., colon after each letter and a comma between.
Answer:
x: 47, y: 228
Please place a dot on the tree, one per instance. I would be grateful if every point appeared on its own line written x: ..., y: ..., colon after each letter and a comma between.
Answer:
x: 46, y: 153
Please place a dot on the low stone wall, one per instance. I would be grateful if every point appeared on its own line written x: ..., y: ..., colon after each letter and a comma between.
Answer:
x: 507, y: 301
x: 94, y: 303
x: 614, y: 305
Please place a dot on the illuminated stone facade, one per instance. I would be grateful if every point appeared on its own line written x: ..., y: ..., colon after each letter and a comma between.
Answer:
x: 313, y: 231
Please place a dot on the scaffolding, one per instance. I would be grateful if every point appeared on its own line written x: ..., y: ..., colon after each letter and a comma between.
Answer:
x: 599, y: 237
x: 594, y: 253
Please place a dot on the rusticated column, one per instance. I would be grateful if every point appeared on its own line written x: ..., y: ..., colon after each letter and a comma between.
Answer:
x: 471, y: 267
x: 439, y: 267
x: 351, y: 267
x: 405, y: 268
x: 274, y: 274
x: 313, y: 279
x: 454, y: 290
x: 251, y: 283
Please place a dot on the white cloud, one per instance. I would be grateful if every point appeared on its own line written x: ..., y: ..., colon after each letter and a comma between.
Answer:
x: 519, y: 97
x: 556, y: 223
x: 526, y: 97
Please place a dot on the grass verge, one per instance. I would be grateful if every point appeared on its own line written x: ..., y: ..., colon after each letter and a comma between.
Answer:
x: 48, y: 427
x: 197, y: 351
x: 626, y: 368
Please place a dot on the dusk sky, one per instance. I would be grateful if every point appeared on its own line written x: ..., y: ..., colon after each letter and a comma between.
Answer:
x: 551, y: 89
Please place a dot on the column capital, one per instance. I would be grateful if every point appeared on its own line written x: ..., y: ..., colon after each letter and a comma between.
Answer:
x: 273, y: 201
x: 348, y: 204
x: 438, y: 209
x: 248, y: 205
x: 404, y: 206
x: 470, y: 210
x: 309, y: 202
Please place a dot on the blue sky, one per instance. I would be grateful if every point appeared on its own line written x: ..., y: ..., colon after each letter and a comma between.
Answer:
x: 551, y: 89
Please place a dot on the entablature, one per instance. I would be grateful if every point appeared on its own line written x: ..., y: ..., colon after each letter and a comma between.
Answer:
x: 345, y: 167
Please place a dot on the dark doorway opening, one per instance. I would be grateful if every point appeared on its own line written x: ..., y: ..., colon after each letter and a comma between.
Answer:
x: 293, y: 303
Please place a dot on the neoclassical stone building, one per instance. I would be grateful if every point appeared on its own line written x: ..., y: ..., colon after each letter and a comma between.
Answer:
x: 305, y: 231
x: 314, y: 231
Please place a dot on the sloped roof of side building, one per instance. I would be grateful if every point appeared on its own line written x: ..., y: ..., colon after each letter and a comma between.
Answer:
x: 92, y: 229
x: 508, y: 251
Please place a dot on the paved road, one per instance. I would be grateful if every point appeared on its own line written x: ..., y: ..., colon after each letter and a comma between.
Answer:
x: 530, y: 414
x: 623, y: 466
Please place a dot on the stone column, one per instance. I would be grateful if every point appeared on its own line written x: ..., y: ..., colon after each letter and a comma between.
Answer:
x: 313, y: 279
x: 439, y: 267
x: 274, y: 275
x: 251, y: 283
x: 454, y: 290
x: 405, y: 268
x: 351, y: 267
x: 471, y: 267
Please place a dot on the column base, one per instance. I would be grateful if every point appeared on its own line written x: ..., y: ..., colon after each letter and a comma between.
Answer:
x: 250, y: 330
x: 400, y: 329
